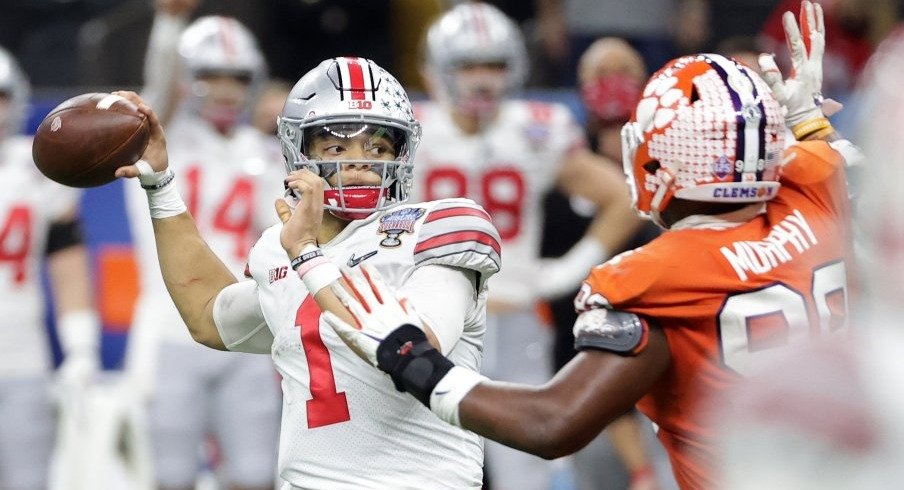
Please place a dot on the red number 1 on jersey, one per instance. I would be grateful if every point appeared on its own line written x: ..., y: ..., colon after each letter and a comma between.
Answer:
x: 326, y: 406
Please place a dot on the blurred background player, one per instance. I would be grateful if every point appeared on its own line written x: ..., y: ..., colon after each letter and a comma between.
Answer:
x: 268, y: 106
x: 39, y: 226
x: 610, y: 78
x: 658, y: 29
x: 208, y: 83
x: 506, y: 154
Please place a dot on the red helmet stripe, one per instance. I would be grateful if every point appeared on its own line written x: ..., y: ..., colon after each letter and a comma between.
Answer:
x: 480, y: 24
x: 228, y: 37
x: 356, y: 78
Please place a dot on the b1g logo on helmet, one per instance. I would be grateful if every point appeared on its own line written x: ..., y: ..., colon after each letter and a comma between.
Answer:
x: 360, y: 104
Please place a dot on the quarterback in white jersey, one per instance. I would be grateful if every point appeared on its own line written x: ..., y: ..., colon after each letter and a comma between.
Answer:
x: 338, y: 410
x: 349, y: 136
x: 226, y: 171
x: 38, y: 221
x: 507, y: 154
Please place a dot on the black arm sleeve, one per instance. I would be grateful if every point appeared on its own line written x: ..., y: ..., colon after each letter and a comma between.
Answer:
x: 62, y: 235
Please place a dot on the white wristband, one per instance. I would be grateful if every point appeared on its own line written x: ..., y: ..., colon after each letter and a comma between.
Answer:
x: 79, y: 332
x: 164, y: 199
x: 451, y: 390
x: 320, y: 277
x: 165, y: 202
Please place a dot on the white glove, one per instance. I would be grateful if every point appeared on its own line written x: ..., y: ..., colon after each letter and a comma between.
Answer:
x: 79, y: 338
x: 557, y: 277
x: 800, y: 95
x: 377, y: 310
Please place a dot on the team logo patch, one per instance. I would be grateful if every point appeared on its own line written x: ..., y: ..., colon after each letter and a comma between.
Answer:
x: 537, y: 135
x: 278, y: 273
x: 722, y: 167
x: 397, y: 222
x: 353, y: 261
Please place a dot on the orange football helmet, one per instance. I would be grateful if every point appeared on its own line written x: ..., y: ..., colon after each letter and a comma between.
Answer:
x: 707, y: 128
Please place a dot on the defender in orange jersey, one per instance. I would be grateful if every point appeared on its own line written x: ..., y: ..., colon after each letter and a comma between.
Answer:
x: 753, y: 263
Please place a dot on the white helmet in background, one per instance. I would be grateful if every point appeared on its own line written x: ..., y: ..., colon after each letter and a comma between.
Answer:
x: 13, y: 85
x: 345, y: 97
x: 470, y: 34
x: 214, y: 46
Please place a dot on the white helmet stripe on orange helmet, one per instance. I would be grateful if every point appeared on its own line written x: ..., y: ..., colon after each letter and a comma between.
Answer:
x: 750, y: 118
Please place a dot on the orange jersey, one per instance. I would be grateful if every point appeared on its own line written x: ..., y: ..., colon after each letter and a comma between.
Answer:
x: 728, y: 297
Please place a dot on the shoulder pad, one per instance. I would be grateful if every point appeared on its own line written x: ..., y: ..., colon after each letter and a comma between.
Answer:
x: 459, y: 233
x: 610, y: 330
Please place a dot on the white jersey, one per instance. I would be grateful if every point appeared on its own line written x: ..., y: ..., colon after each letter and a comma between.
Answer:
x: 229, y: 185
x: 507, y: 169
x: 29, y: 203
x: 344, y: 424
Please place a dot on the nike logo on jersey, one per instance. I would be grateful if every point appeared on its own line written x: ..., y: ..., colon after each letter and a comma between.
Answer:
x: 353, y: 261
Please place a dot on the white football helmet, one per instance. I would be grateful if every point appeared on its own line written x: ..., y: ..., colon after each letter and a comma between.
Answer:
x: 14, y: 85
x: 346, y: 97
x: 216, y: 45
x: 707, y: 128
x: 474, y: 33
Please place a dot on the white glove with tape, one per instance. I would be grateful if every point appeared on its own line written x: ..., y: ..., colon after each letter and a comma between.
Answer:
x: 800, y: 94
x: 377, y: 311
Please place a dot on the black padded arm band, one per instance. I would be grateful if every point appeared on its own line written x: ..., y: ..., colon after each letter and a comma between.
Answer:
x: 412, y: 363
x: 62, y: 235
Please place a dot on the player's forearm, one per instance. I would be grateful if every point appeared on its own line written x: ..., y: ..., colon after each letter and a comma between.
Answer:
x: 529, y: 419
x: 614, y: 225
x: 193, y: 275
x: 555, y: 419
x: 562, y: 416
x: 598, y: 180
x: 625, y: 435
x: 161, y: 63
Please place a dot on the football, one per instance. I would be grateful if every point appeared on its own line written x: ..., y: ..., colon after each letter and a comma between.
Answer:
x: 82, y: 141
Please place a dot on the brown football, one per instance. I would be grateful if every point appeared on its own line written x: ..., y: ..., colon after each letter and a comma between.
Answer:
x: 85, y: 139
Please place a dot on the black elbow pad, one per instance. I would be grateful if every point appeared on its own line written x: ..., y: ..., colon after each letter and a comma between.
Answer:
x: 62, y: 235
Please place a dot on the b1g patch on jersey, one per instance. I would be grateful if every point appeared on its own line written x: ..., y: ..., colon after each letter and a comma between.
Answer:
x: 397, y: 222
x: 537, y: 135
x: 611, y: 330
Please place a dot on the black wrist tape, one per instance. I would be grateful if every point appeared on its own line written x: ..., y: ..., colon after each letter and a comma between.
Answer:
x: 412, y: 363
